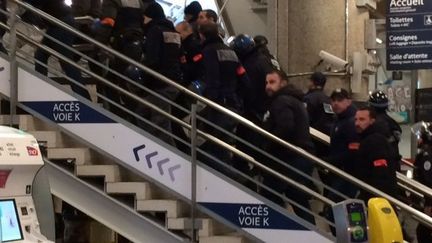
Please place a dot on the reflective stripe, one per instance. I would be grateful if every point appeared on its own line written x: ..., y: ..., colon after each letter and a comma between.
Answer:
x: 131, y: 3
x: 241, y: 70
x: 227, y: 56
x: 108, y: 21
x: 354, y: 146
x: 380, y: 163
x: 197, y: 57
x: 172, y: 38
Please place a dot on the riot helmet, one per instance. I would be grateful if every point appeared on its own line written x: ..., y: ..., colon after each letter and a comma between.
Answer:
x: 242, y: 44
x: 378, y: 100
x: 134, y: 73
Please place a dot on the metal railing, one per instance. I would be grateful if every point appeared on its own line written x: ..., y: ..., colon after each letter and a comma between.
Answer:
x: 217, y: 108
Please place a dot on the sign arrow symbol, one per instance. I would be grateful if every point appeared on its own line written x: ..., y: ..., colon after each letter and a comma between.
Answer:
x: 160, y: 163
x: 171, y: 170
x: 135, y: 151
x: 148, y: 158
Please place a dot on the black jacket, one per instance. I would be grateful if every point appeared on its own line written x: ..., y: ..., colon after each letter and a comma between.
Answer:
x: 344, y: 139
x: 374, y: 161
x: 192, y: 59
x: 321, y: 117
x: 224, y: 76
x: 392, y: 132
x: 162, y: 51
x: 287, y: 119
x: 257, y: 66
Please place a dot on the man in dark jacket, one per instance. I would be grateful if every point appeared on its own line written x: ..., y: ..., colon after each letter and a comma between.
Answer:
x: 318, y: 104
x: 223, y: 77
x: 378, y: 100
x: 287, y: 119
x: 257, y: 66
x: 343, y: 137
x: 162, y: 54
x: 374, y: 161
x: 62, y: 12
x: 191, y: 47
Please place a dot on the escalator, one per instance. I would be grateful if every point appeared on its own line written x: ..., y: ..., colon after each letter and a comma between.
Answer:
x: 191, y: 195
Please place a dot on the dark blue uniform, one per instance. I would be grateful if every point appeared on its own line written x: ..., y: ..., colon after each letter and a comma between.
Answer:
x: 374, y: 164
x: 223, y: 76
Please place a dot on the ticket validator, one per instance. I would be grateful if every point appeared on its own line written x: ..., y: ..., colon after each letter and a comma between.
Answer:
x: 351, y: 221
x: 26, y: 209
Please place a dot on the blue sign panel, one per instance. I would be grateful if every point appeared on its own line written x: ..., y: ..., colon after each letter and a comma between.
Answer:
x: 253, y: 216
x: 68, y: 112
x: 409, y: 34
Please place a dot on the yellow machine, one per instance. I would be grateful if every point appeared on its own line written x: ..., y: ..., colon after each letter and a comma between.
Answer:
x: 384, y: 226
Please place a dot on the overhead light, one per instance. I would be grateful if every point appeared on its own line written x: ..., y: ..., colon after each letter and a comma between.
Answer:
x: 68, y: 2
x: 379, y: 41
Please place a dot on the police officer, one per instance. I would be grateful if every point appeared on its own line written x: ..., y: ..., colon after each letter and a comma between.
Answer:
x: 223, y: 77
x: 121, y: 26
x: 191, y: 58
x: 423, y: 173
x: 378, y: 100
x: 261, y: 43
x: 318, y: 104
x: 257, y: 67
x: 374, y: 160
x: 162, y: 54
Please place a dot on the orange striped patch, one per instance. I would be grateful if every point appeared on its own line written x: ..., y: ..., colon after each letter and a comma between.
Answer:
x: 380, y: 163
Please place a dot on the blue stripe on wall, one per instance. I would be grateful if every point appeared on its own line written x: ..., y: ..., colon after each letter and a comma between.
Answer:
x: 68, y: 112
x: 253, y: 216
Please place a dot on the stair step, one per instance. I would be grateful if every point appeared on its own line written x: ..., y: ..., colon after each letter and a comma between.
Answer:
x: 81, y: 155
x: 172, y: 208
x: 183, y: 223
x: 222, y: 238
x: 141, y: 190
x: 110, y: 172
x: 53, y: 139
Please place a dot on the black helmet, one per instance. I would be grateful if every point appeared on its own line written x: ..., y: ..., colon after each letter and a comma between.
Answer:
x: 260, y: 40
x: 319, y: 79
x: 242, y: 44
x: 378, y: 99
x: 134, y: 73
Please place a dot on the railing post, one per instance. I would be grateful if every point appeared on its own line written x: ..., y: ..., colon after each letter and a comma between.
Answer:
x: 13, y: 65
x: 193, y: 138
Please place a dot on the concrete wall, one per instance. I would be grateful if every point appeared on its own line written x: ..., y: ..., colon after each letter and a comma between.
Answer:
x: 244, y: 20
x: 303, y: 28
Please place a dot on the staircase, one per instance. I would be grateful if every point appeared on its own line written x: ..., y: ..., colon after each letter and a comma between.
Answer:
x: 147, y: 199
